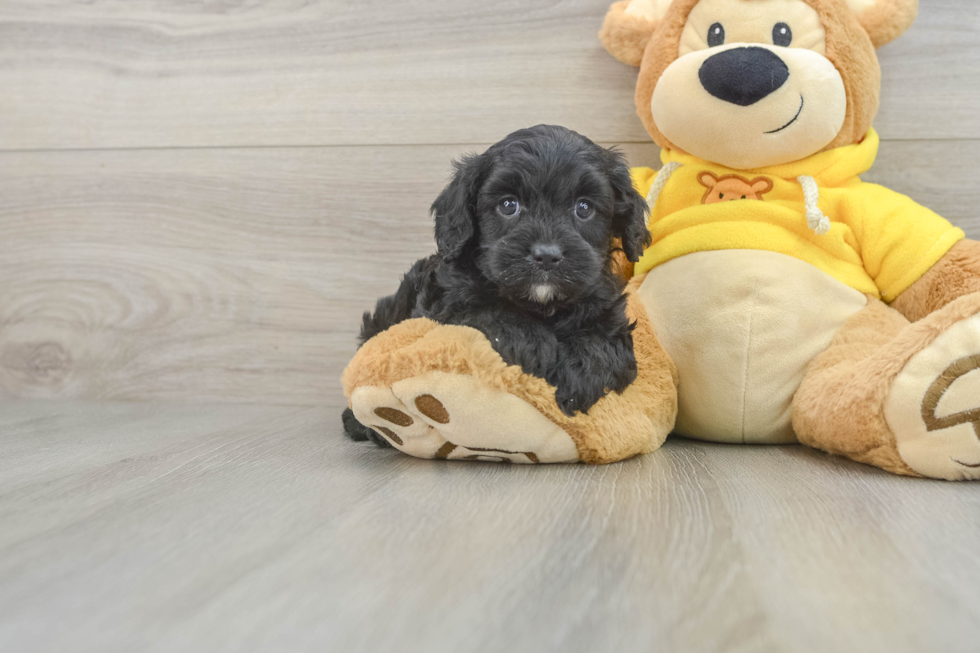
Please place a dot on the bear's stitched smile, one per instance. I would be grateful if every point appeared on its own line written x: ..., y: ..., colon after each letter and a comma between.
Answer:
x: 795, y: 118
x: 958, y: 462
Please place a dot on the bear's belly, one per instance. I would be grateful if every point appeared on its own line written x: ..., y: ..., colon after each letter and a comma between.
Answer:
x: 742, y: 325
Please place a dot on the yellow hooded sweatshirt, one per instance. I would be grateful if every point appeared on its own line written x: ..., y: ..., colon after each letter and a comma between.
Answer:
x: 879, y: 242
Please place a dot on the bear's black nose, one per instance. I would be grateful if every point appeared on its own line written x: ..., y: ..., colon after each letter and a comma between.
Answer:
x: 743, y: 76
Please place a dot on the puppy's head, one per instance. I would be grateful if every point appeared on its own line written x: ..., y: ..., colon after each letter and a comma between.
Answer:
x: 535, y: 215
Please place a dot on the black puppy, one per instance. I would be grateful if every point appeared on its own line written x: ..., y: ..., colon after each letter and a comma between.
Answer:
x: 524, y: 234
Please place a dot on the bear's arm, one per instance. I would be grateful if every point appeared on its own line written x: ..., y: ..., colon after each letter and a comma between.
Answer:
x: 899, y: 240
x: 956, y: 274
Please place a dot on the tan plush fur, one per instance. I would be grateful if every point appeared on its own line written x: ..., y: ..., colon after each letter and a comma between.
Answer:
x: 955, y: 275
x: 618, y: 427
x: 622, y: 266
x: 886, y: 20
x: 849, y: 48
x: 851, y: 51
x: 839, y: 407
x: 625, y: 36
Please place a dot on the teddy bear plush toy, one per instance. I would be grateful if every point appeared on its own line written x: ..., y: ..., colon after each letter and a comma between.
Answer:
x: 782, y: 299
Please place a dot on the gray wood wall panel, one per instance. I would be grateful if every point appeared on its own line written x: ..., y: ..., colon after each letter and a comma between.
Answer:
x: 240, y: 274
x: 197, y: 200
x: 144, y: 73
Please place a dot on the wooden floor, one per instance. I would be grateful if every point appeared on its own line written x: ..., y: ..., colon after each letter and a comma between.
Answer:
x: 197, y: 201
x: 227, y: 528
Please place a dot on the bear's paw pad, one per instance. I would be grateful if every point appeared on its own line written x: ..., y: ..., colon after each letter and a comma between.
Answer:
x: 458, y: 417
x: 934, y: 405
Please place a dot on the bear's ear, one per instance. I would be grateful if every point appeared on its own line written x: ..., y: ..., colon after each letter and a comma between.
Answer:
x: 628, y: 27
x: 885, y: 20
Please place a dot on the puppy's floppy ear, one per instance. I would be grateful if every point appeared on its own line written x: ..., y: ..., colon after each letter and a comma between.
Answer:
x: 628, y: 27
x: 455, y: 208
x: 631, y: 210
x: 884, y: 20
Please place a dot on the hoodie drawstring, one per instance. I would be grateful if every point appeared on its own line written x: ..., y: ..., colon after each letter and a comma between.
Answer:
x: 815, y: 219
x: 658, y: 184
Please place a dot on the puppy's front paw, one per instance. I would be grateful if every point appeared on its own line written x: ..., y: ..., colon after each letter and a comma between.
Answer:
x: 625, y: 375
x: 360, y: 433
x: 578, y: 395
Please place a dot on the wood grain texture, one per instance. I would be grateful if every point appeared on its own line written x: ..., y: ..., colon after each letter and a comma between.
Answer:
x: 241, y: 274
x: 226, y: 528
x: 198, y: 200
x: 150, y: 73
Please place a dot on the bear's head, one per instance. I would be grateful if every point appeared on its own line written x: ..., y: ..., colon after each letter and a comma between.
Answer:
x: 754, y: 83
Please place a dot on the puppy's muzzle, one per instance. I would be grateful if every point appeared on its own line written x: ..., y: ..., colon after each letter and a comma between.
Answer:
x: 546, y: 257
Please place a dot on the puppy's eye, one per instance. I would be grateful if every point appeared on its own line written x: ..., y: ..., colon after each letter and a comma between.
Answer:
x: 509, y: 208
x: 782, y: 35
x: 716, y: 35
x: 584, y: 210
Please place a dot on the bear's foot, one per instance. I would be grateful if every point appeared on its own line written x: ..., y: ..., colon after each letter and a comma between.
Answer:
x: 933, y: 408
x: 457, y: 417
x: 437, y: 391
x: 902, y: 396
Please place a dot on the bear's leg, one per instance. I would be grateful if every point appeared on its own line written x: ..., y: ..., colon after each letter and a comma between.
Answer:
x: 902, y: 396
x: 436, y: 391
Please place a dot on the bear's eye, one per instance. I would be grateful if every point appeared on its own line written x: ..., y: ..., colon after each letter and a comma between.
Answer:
x: 716, y: 35
x: 509, y: 208
x: 721, y: 196
x: 782, y: 35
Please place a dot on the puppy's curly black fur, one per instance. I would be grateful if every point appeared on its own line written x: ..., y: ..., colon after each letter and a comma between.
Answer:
x: 524, y: 235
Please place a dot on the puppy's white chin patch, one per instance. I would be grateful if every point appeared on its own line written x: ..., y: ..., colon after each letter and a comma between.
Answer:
x: 543, y: 293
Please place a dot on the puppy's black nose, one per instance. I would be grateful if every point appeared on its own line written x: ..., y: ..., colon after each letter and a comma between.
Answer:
x: 743, y: 76
x: 546, y: 256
